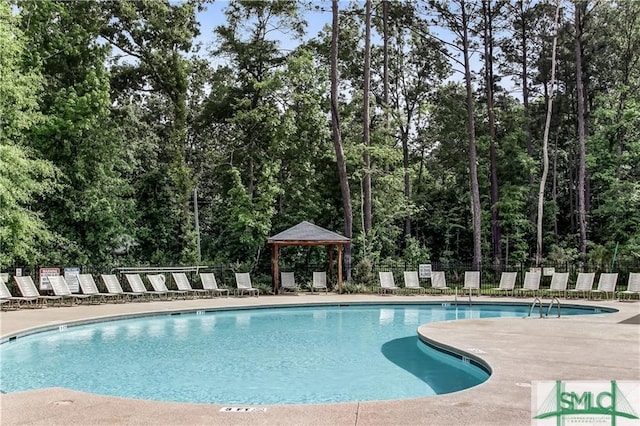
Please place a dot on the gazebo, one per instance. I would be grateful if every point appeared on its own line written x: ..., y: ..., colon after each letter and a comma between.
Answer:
x: 306, y: 234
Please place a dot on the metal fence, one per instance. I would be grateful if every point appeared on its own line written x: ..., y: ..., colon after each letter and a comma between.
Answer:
x: 262, y: 274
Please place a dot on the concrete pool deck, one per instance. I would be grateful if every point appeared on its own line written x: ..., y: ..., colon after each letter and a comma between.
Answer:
x: 587, y: 347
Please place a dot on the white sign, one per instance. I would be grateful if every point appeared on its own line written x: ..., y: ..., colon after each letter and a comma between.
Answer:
x: 71, y: 276
x: 547, y: 272
x: 424, y: 271
x: 585, y: 402
x: 45, y: 273
x: 18, y: 272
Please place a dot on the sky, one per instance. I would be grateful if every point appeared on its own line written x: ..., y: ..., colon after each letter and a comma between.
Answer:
x: 213, y: 16
x: 317, y: 18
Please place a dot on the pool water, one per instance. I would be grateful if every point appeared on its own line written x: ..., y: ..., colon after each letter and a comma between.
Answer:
x: 292, y: 355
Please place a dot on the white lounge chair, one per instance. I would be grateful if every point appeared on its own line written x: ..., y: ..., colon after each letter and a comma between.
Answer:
x: 243, y: 284
x: 158, y: 282
x: 558, y: 285
x: 531, y: 284
x: 633, y: 288
x: 387, y: 283
x: 11, y: 301
x: 439, y: 282
x: 210, y: 284
x: 412, y: 282
x: 288, y: 282
x: 471, y: 282
x: 61, y: 288
x: 28, y: 289
x: 137, y: 286
x: 183, y: 284
x: 507, y: 283
x: 319, y: 282
x: 89, y: 287
x: 584, y: 284
x: 112, y: 284
x: 606, y: 285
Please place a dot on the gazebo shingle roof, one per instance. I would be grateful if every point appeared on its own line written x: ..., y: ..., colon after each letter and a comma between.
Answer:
x: 306, y: 231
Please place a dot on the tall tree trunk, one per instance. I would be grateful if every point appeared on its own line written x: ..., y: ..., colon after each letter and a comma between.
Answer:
x: 582, y: 212
x: 337, y: 139
x: 365, y: 121
x: 525, y: 94
x: 385, y: 62
x: 473, y: 157
x: 545, y: 140
x: 488, y: 74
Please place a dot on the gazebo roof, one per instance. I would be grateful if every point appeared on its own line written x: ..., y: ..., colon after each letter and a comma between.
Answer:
x: 306, y: 233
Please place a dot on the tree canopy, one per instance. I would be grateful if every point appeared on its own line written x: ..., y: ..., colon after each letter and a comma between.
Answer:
x: 115, y: 124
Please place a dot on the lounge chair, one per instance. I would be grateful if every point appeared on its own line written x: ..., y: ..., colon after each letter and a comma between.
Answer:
x: 531, y: 284
x: 633, y: 288
x: 471, y: 282
x: 387, y: 283
x: 113, y: 286
x: 319, y: 282
x: 89, y: 287
x: 243, y: 284
x: 158, y: 282
x: 183, y: 284
x: 61, y: 288
x: 10, y: 301
x: 412, y: 282
x: 606, y: 285
x: 210, y: 284
x: 28, y: 289
x: 558, y: 285
x: 584, y: 283
x: 507, y: 283
x: 288, y: 282
x: 439, y: 282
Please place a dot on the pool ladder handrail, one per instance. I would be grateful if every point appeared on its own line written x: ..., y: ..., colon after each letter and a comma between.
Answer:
x: 455, y: 296
x: 555, y: 298
x: 539, y: 301
x: 533, y: 305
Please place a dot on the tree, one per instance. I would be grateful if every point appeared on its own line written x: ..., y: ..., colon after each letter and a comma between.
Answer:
x: 488, y: 15
x: 366, y: 139
x: 456, y: 16
x: 337, y: 136
x: 545, y: 142
x: 582, y: 209
x: 155, y: 37
x: 93, y: 212
x: 24, y: 177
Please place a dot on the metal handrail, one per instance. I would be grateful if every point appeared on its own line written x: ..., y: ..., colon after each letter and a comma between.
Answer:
x: 551, y: 305
x: 533, y: 305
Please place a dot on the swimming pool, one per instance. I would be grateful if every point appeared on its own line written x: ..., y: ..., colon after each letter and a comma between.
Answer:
x: 288, y: 355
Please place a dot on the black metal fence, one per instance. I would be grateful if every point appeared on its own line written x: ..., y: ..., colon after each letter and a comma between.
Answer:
x: 262, y: 274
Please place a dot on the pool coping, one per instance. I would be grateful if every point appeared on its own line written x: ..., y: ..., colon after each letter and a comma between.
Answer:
x: 506, y: 345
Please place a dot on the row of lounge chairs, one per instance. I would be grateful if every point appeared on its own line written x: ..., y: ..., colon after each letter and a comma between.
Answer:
x: 30, y: 296
x: 531, y: 285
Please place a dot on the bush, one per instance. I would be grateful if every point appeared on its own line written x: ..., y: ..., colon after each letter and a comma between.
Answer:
x: 363, y: 273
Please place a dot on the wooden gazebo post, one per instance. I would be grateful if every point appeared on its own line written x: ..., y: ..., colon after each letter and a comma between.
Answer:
x: 275, y: 266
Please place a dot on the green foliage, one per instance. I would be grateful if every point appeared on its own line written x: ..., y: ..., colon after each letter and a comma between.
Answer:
x: 354, y: 288
x: 24, y: 176
x: 363, y: 273
x: 103, y: 143
x: 415, y: 253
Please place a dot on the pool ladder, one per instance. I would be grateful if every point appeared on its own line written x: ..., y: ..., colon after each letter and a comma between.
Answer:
x: 455, y: 299
x: 539, y: 302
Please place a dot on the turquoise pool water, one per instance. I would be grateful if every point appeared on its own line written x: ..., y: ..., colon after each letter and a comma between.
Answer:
x: 292, y: 355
